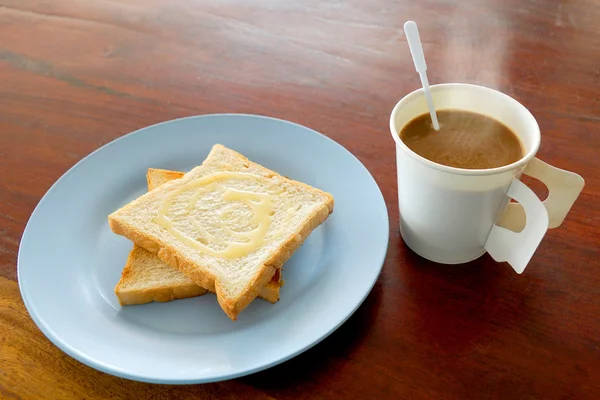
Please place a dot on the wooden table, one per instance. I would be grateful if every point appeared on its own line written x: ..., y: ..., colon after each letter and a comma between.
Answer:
x: 75, y: 75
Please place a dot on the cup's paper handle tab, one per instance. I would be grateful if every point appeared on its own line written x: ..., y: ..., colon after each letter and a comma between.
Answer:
x: 518, y: 248
x: 563, y: 189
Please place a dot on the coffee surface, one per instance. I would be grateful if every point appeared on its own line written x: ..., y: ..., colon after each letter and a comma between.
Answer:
x: 465, y: 140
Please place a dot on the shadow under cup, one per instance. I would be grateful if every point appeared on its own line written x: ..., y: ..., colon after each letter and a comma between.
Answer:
x: 446, y: 213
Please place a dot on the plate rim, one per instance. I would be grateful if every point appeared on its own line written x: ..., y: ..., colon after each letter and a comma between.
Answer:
x: 115, y: 371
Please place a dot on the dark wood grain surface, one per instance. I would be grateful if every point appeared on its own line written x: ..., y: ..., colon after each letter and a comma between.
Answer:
x: 75, y: 75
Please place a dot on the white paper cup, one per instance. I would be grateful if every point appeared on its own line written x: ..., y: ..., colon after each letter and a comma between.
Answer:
x: 453, y: 215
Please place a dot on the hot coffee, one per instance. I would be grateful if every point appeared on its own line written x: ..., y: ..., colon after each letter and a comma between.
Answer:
x: 465, y: 140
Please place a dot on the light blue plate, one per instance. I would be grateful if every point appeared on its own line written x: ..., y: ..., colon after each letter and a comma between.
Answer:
x: 69, y: 260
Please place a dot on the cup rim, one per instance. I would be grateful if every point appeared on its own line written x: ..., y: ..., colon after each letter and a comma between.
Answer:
x: 463, y: 171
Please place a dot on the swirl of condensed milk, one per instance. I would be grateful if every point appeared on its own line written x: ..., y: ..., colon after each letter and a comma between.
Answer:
x: 260, y: 203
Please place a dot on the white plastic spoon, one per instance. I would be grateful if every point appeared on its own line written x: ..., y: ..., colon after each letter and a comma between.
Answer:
x: 416, y: 50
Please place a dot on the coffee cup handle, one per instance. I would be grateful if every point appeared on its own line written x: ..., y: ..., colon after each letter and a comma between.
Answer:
x: 521, y: 228
x: 563, y: 189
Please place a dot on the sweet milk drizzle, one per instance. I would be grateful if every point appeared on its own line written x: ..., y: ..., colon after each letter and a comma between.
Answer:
x: 260, y: 203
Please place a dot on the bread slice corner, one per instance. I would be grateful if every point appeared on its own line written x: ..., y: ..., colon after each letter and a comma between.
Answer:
x: 146, y: 278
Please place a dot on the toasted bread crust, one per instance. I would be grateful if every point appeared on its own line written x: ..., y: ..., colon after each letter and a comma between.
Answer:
x: 161, y: 294
x: 156, y: 177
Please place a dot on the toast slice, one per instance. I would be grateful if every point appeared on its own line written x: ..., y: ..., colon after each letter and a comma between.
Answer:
x: 228, y: 224
x: 146, y: 278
